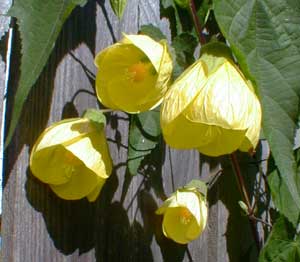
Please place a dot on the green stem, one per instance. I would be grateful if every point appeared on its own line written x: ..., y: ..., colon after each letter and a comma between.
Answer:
x: 197, y: 23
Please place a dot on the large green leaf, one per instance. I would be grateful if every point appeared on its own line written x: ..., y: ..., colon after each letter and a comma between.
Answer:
x: 144, y: 135
x: 265, y: 37
x: 39, y: 23
x: 282, y: 244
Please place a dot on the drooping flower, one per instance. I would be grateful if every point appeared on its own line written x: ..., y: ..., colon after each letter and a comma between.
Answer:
x: 184, y: 215
x: 133, y: 74
x: 72, y: 157
x: 212, y: 107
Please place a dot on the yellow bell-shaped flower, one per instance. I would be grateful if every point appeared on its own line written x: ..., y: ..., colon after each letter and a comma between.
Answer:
x: 133, y: 74
x: 184, y: 215
x: 72, y: 157
x: 212, y: 107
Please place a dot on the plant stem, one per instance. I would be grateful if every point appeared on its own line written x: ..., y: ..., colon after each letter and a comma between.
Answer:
x: 241, y: 182
x: 243, y: 190
x: 197, y: 24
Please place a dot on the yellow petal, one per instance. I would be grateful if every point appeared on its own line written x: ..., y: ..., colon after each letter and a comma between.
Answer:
x: 47, y: 153
x: 204, y: 214
x: 191, y: 201
x: 48, y: 165
x: 95, y: 193
x: 62, y: 131
x: 224, y: 101
x: 212, y: 107
x: 82, y: 182
x: 92, y: 150
x: 170, y: 202
x: 225, y: 142
x: 133, y: 75
x: 130, y: 96
x: 118, y: 83
x: 155, y: 96
x: 113, y: 63
x: 182, y: 133
x: 252, y: 134
x: 152, y: 49
x: 182, y: 92
x: 72, y: 156
x: 175, y: 229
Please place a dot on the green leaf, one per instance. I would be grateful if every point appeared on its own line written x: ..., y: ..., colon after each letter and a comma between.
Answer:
x: 183, y: 3
x: 168, y: 5
x: 39, y: 23
x: 144, y: 135
x: 152, y: 31
x: 96, y: 116
x: 281, y: 196
x: 118, y: 6
x: 264, y: 36
x: 199, y: 185
x: 80, y: 2
x: 184, y: 46
x: 282, y: 244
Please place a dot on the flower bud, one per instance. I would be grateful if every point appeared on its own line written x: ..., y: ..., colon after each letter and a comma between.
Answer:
x: 184, y: 215
x: 212, y: 107
x: 72, y: 157
x: 133, y: 74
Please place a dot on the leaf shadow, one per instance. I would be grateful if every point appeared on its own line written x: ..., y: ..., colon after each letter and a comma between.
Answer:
x: 170, y: 251
x: 36, y: 110
x: 239, y: 239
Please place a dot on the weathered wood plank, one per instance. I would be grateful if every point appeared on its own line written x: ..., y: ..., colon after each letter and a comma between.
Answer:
x: 121, y: 224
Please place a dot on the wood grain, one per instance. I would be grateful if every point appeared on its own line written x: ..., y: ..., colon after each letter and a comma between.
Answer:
x: 121, y: 224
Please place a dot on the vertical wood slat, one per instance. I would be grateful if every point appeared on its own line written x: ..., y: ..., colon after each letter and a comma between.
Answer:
x: 121, y: 224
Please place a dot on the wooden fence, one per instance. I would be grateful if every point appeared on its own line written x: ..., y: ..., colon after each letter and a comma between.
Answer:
x: 121, y: 225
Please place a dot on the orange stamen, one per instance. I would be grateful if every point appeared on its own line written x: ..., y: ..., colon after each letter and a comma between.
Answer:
x: 185, y: 215
x: 138, y: 72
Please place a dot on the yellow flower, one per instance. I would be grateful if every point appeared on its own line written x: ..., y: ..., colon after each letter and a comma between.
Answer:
x: 133, y: 75
x: 72, y: 157
x: 212, y: 107
x: 185, y: 215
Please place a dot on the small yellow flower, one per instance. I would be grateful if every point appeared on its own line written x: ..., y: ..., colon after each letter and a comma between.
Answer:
x: 133, y: 74
x: 185, y: 215
x: 72, y: 157
x: 212, y: 107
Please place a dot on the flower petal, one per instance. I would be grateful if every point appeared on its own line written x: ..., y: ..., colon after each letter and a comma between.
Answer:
x: 224, y: 101
x: 49, y: 165
x: 182, y: 92
x: 95, y: 193
x: 61, y: 131
x: 225, y: 142
x: 170, y: 202
x: 152, y: 49
x: 92, y: 150
x: 190, y: 200
x: 174, y: 229
x: 82, y: 182
x: 182, y: 133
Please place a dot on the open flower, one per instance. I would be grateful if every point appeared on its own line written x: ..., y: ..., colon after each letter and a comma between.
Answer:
x: 133, y: 74
x: 72, y: 157
x: 185, y: 215
x: 212, y: 107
